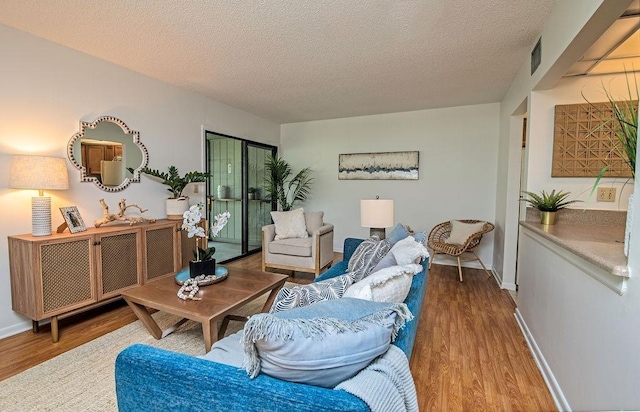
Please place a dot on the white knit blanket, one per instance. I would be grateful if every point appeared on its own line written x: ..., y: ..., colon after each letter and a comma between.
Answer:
x: 386, y: 384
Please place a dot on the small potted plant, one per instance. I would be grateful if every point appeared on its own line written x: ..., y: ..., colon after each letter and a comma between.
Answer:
x: 548, y: 204
x: 203, y: 262
x: 252, y: 193
x: 176, y: 204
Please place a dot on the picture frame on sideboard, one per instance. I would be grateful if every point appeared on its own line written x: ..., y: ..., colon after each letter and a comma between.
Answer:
x: 72, y: 219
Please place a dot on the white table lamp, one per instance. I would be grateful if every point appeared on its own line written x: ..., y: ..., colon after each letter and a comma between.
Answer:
x: 376, y: 214
x: 39, y: 173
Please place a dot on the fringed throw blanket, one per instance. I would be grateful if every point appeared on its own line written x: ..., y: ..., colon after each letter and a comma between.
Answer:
x: 386, y: 384
x: 321, y: 344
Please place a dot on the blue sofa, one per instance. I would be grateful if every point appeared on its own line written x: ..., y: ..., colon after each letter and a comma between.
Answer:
x: 152, y: 379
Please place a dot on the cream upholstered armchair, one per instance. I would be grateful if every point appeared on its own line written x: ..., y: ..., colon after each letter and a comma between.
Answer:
x: 289, y: 250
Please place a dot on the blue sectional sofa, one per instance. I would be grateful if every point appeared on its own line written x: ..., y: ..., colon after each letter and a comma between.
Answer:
x: 152, y: 379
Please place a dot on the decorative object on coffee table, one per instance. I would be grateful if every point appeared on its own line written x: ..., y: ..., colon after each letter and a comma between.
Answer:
x: 203, y: 263
x: 120, y: 217
x: 177, y: 204
x: 220, y: 275
x: 242, y: 286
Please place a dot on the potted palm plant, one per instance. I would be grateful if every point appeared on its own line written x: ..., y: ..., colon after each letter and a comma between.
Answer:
x: 176, y: 204
x: 625, y: 143
x: 283, y: 186
x: 548, y: 204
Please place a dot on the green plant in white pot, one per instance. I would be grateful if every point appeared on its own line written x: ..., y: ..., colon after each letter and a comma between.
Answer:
x: 177, y: 204
x: 548, y: 204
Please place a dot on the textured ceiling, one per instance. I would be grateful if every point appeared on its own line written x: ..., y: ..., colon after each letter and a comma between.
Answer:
x: 298, y: 60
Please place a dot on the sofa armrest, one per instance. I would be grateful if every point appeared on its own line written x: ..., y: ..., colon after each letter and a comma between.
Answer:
x: 322, y: 245
x: 350, y: 246
x: 269, y: 232
x: 152, y: 379
x: 414, y: 300
x: 325, y: 228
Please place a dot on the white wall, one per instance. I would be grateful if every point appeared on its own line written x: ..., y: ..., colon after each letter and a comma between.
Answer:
x: 572, y: 27
x: 45, y: 89
x: 458, y: 157
x: 586, y: 333
x: 540, y: 144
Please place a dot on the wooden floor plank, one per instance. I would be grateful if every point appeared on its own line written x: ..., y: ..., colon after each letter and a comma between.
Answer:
x: 469, y: 352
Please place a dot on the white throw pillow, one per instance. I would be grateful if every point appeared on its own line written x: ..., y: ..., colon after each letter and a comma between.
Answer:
x: 408, y: 251
x: 387, y: 285
x: 290, y: 224
x: 460, y: 231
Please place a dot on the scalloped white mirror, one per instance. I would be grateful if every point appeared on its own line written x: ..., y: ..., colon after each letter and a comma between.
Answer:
x: 104, y: 150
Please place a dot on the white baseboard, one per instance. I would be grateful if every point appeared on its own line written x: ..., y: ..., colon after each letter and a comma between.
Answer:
x: 14, y: 329
x: 508, y: 286
x: 547, y: 374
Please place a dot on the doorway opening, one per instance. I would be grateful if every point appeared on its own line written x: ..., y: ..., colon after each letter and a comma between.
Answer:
x: 237, y: 185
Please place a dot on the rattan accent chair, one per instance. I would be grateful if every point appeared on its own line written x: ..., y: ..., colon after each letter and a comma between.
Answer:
x: 437, y: 242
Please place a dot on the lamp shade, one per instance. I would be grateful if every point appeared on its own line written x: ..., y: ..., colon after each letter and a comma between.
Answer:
x: 376, y: 213
x: 38, y: 172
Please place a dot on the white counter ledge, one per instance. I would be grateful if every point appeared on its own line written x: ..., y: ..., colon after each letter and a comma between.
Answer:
x: 601, y: 245
x: 592, y: 240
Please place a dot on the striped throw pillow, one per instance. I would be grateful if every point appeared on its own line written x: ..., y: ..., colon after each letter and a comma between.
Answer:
x: 304, y: 295
x: 366, y: 257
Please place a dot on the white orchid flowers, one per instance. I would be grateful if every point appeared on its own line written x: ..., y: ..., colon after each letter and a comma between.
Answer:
x: 221, y: 221
x: 190, y: 221
x: 193, y: 216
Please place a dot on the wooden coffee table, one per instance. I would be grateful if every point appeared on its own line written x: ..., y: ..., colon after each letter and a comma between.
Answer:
x: 218, y: 300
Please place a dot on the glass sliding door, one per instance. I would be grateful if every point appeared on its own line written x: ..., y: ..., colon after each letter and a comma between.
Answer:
x: 237, y: 185
x: 258, y: 208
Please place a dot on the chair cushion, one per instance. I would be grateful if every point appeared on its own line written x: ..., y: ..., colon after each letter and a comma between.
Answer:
x: 408, y: 251
x: 387, y: 285
x: 460, y: 231
x: 227, y: 350
x: 304, y: 295
x: 291, y: 247
x: 366, y: 257
x: 290, y: 224
x: 321, y: 344
x: 313, y: 221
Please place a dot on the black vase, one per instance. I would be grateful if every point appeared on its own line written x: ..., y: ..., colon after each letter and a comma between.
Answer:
x: 202, y: 267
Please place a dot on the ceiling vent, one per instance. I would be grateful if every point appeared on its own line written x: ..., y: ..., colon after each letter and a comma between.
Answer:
x: 536, y: 56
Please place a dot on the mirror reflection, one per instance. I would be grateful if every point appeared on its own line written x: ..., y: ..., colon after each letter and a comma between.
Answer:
x: 103, y: 150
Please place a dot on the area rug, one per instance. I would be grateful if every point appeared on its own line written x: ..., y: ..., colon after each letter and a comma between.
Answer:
x: 82, y: 379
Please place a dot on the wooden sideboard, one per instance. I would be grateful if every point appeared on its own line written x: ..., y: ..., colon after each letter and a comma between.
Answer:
x: 64, y: 274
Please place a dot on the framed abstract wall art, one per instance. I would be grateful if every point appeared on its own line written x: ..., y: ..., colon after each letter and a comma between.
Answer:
x: 378, y: 166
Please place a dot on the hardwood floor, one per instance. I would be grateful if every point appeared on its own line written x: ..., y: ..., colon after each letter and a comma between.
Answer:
x: 469, y: 354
